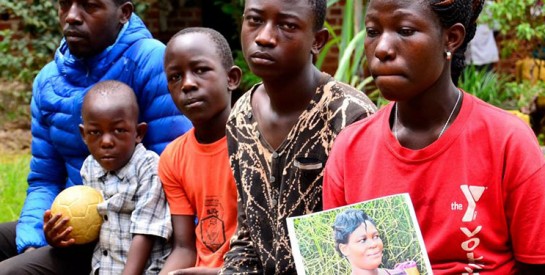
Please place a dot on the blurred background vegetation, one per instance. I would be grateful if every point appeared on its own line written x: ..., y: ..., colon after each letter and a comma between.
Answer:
x: 520, y: 23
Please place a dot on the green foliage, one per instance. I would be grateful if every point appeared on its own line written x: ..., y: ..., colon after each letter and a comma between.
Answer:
x: 498, y: 90
x: 522, y: 94
x: 520, y: 22
x: 377, y: 98
x: 234, y: 8
x: 141, y: 7
x: 485, y: 85
x: 349, y: 41
x: 393, y: 222
x: 541, y: 139
x: 523, y: 98
x: 13, y: 172
x: 23, y: 54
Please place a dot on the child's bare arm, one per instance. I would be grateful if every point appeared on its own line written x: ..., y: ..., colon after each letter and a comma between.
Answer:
x: 139, y: 253
x: 56, y: 230
x: 184, y: 252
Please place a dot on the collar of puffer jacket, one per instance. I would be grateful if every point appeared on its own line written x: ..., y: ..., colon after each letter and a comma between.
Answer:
x: 83, y: 72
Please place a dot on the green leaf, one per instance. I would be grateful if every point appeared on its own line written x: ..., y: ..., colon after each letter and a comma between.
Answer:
x: 323, y: 54
x: 331, y: 2
x: 343, y: 71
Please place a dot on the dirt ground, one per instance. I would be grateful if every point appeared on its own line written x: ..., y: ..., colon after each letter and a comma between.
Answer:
x: 14, y: 118
x: 15, y: 137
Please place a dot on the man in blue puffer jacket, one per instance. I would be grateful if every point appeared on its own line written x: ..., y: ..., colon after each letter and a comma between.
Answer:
x: 103, y: 40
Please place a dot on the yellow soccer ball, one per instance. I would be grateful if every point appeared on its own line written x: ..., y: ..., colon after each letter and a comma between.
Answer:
x: 79, y: 203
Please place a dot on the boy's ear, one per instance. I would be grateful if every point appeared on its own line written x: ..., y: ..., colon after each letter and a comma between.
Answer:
x: 234, y: 75
x: 82, y: 133
x: 141, y: 129
x: 454, y: 37
x: 126, y: 11
x: 320, y: 39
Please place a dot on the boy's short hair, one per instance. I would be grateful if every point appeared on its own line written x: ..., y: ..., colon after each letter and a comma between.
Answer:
x: 319, y: 7
x: 220, y: 43
x: 108, y: 87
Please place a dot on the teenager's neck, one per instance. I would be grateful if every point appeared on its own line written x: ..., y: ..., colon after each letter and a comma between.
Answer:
x: 293, y: 94
x: 430, y: 109
x: 420, y: 121
x: 213, y: 129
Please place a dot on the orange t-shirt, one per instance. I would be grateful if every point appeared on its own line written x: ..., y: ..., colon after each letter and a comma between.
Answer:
x: 198, y: 180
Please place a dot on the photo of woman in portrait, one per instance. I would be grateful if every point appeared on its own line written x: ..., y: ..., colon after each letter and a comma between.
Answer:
x: 379, y: 236
x: 358, y: 240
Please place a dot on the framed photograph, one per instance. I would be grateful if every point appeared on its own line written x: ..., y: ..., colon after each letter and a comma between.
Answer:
x: 381, y: 234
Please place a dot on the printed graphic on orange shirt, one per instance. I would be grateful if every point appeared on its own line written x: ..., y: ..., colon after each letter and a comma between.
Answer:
x: 212, y: 225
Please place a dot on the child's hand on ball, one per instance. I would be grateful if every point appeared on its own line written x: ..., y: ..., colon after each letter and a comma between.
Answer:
x: 80, y: 222
x: 56, y: 230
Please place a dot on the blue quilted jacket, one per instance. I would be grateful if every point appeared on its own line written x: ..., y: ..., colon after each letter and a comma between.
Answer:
x: 57, y: 147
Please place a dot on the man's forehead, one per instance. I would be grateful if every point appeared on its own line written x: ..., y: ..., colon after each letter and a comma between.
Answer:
x: 286, y: 3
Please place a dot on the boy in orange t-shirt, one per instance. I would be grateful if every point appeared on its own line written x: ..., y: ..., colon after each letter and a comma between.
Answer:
x: 194, y: 168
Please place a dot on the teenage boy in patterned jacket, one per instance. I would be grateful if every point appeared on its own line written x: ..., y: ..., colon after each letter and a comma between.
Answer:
x: 280, y: 132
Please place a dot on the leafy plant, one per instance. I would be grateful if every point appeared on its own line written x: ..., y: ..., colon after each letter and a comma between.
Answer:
x: 529, y: 98
x: 525, y: 93
x: 486, y: 85
x: 520, y: 22
x: 142, y: 6
x: 498, y: 90
x: 23, y: 54
x: 234, y: 8
x: 348, y: 39
x: 525, y: 98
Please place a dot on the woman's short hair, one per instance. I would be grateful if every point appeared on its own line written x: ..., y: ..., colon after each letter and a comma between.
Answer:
x: 345, y: 223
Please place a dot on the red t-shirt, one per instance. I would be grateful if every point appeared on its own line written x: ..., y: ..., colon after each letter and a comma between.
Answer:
x: 198, y: 180
x: 478, y: 191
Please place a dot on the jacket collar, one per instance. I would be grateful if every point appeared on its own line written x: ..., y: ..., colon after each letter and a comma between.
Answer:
x: 84, y: 72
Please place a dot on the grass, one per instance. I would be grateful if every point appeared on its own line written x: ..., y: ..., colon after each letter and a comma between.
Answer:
x: 14, y: 169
